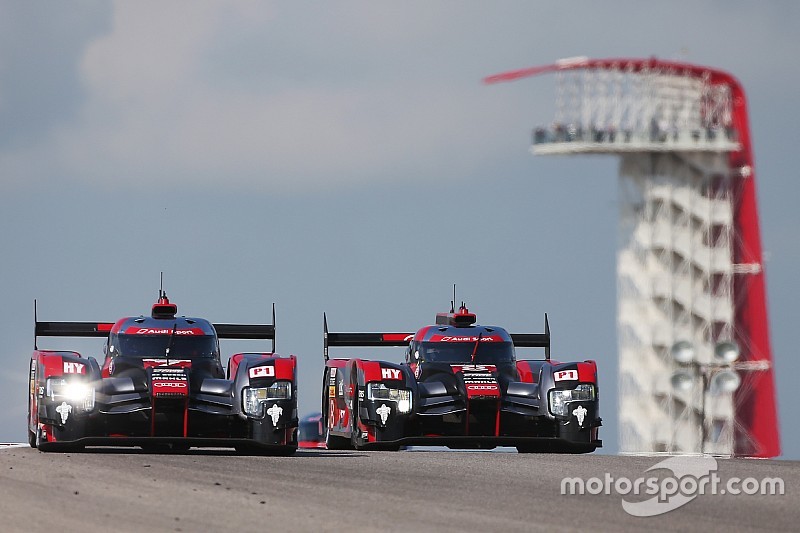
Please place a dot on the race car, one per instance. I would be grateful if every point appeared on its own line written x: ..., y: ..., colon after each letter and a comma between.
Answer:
x: 460, y: 386
x: 162, y: 386
x: 311, y: 432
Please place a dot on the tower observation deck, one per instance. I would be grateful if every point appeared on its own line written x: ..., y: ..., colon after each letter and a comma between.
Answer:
x: 695, y: 364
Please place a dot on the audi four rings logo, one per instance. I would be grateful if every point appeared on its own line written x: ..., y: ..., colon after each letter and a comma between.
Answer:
x: 482, y: 387
x: 168, y: 384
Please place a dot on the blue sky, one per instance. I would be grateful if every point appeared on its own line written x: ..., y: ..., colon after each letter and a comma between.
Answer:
x: 345, y: 157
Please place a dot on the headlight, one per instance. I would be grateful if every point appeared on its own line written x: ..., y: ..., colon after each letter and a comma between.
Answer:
x: 379, y: 391
x: 254, y: 398
x: 75, y: 393
x: 560, y: 398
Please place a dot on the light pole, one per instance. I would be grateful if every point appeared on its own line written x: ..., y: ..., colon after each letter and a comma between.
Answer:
x: 717, y: 377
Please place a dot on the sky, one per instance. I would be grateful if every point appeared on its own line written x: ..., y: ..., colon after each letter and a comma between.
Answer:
x: 345, y: 157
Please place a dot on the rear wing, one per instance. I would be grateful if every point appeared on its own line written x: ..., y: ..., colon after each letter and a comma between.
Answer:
x: 72, y: 329
x: 535, y: 340
x: 522, y: 340
x: 362, y: 339
x: 248, y: 331
x: 102, y: 329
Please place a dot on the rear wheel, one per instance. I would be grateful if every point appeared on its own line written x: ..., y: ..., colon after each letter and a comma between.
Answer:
x: 332, y: 442
x: 32, y: 438
x: 355, y: 432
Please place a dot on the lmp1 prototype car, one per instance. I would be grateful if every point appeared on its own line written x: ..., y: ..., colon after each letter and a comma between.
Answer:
x: 461, y: 386
x: 162, y: 386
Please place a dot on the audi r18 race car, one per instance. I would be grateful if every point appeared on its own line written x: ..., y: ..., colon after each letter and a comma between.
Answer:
x: 460, y: 386
x: 162, y: 386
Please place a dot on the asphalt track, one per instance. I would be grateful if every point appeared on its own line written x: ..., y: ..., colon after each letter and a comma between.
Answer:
x: 215, y: 490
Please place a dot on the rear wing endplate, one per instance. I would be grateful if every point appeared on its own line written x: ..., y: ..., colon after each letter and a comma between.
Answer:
x: 535, y: 340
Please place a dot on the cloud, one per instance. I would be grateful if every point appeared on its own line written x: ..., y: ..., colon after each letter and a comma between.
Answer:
x: 167, y: 106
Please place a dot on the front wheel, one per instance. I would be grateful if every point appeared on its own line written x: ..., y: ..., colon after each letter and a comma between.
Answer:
x: 32, y: 438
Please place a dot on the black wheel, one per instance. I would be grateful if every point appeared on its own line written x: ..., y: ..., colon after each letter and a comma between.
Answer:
x: 332, y: 442
x: 32, y: 437
x: 355, y: 434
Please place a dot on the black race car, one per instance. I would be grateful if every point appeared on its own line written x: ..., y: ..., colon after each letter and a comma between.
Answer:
x: 162, y: 386
x: 460, y: 386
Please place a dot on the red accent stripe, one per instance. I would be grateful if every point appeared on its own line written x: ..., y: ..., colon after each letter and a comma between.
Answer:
x: 186, y: 418
x: 587, y: 372
x: 420, y: 336
x: 497, y: 421
x: 525, y: 371
x: 757, y: 432
x: 397, y: 337
x: 284, y: 368
x: 371, y: 369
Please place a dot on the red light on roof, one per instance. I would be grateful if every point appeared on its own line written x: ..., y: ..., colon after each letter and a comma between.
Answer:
x: 460, y: 319
x: 163, y: 308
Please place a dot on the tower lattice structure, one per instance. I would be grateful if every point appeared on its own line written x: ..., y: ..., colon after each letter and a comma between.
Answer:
x: 689, y: 264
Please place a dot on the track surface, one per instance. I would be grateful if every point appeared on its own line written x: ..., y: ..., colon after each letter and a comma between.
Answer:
x: 214, y: 490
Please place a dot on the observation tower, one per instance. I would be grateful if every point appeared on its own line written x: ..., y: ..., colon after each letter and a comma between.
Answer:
x: 695, y: 364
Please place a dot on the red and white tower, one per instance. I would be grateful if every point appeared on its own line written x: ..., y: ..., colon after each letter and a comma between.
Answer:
x: 694, y: 354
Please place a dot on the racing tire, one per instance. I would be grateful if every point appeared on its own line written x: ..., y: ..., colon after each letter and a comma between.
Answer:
x: 332, y: 442
x: 355, y: 439
x: 32, y: 438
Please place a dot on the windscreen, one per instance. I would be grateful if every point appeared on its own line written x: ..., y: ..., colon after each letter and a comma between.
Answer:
x: 461, y: 352
x: 181, y: 346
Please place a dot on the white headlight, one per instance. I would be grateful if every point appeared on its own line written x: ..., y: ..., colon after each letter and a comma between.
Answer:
x: 379, y: 391
x: 559, y: 399
x: 254, y: 398
x: 76, y: 393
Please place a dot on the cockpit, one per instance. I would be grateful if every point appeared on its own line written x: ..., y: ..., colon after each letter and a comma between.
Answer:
x: 462, y: 352
x: 180, y: 346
